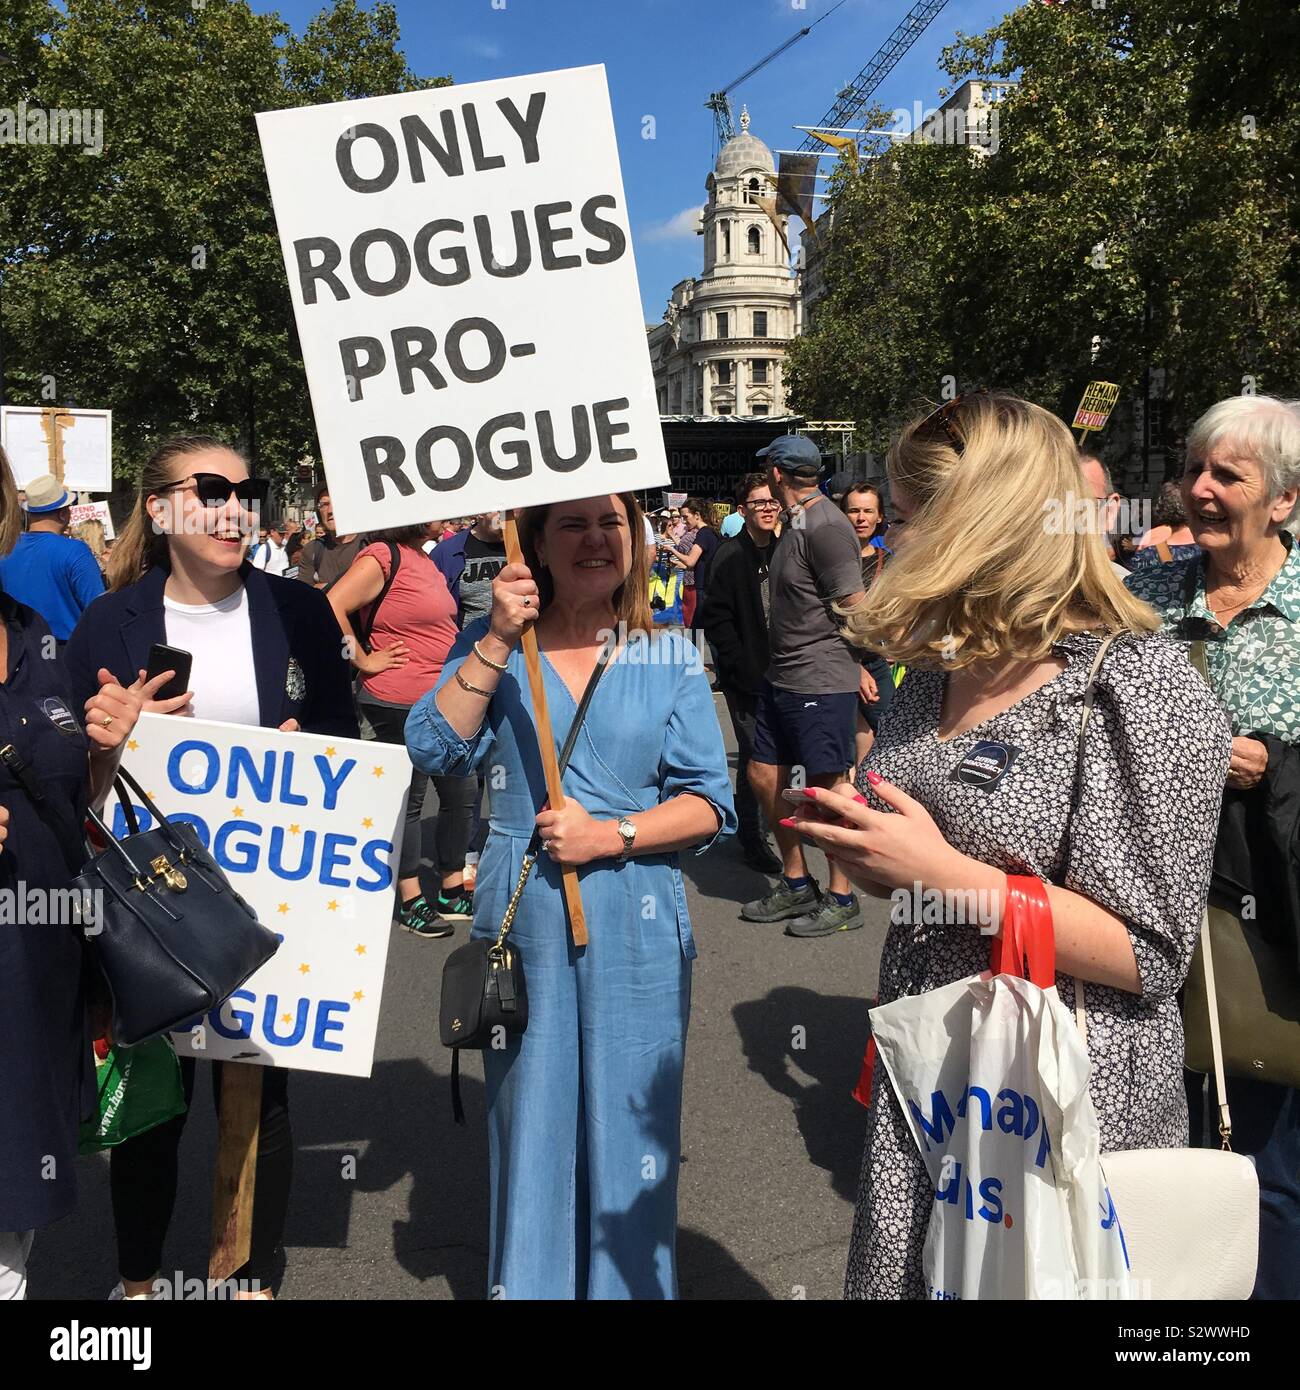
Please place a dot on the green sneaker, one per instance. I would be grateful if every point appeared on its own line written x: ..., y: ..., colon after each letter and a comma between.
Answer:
x: 829, y: 917
x: 420, y: 920
x: 782, y: 902
x: 458, y: 907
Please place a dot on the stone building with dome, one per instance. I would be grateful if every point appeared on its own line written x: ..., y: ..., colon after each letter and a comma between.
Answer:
x: 721, y: 347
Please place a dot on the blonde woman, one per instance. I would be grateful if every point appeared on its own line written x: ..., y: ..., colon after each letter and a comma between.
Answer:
x: 999, y: 612
x: 91, y: 532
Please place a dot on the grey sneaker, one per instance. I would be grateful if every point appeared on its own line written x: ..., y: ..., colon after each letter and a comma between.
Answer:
x: 828, y: 918
x: 782, y: 902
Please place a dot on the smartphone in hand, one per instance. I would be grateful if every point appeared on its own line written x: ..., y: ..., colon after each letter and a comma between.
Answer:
x: 164, y: 658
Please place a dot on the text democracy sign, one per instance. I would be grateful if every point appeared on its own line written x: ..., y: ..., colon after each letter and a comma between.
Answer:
x: 94, y: 511
x: 304, y: 829
x: 461, y: 271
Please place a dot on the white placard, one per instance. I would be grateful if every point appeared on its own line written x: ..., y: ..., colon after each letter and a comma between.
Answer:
x: 304, y: 828
x: 32, y: 437
x: 461, y: 269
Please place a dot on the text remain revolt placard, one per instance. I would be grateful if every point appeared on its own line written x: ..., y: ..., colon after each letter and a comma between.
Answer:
x: 303, y: 827
x: 461, y: 269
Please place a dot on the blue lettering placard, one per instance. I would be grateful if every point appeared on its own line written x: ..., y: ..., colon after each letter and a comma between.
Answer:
x: 304, y: 828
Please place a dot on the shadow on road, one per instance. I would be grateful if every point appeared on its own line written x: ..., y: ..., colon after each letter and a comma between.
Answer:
x: 351, y: 1134
x: 808, y: 1047
x: 401, y: 1120
x: 706, y: 1270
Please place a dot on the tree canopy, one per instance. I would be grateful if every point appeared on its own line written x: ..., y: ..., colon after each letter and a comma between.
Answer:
x: 148, y: 278
x: 1140, y: 215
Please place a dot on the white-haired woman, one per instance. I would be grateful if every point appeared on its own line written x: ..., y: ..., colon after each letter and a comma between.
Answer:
x: 1240, y: 597
x: 976, y: 774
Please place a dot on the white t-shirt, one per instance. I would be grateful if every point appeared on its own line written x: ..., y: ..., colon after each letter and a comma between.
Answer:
x: 649, y: 530
x: 272, y: 558
x: 219, y: 638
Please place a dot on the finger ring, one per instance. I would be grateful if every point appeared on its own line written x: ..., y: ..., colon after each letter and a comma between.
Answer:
x: 528, y: 601
x: 108, y: 721
x: 546, y: 845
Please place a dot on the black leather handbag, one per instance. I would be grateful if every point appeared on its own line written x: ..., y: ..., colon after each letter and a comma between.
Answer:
x: 484, y: 993
x: 171, y: 936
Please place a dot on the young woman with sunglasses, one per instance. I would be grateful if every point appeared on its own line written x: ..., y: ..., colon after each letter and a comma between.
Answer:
x: 266, y: 651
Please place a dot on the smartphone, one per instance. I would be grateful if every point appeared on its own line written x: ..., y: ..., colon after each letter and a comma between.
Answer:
x: 163, y: 658
x: 814, y: 807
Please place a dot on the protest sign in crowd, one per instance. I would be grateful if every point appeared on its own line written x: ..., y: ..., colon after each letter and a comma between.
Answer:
x: 1073, y: 781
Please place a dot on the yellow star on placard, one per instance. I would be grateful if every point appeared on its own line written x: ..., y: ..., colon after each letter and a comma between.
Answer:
x: 295, y: 830
x: 332, y: 905
x: 358, y: 995
x: 367, y: 822
x: 361, y: 950
x: 284, y: 907
x: 304, y: 969
x: 286, y: 1018
x: 152, y: 795
x: 131, y: 745
x: 239, y: 810
x: 379, y: 772
x: 329, y: 752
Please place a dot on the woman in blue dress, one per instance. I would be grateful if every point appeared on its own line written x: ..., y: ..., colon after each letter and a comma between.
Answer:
x: 584, y: 1109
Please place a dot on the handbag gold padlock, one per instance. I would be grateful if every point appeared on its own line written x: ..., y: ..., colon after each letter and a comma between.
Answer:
x: 171, y: 876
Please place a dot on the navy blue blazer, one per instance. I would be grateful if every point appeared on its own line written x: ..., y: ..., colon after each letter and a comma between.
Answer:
x: 288, y: 621
x: 47, y: 1078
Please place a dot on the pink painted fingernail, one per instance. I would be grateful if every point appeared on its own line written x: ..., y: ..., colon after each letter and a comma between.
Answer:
x: 811, y: 793
x: 874, y: 778
x: 790, y: 823
x: 860, y: 799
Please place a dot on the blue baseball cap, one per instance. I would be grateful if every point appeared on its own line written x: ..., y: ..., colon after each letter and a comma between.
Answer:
x: 793, y: 453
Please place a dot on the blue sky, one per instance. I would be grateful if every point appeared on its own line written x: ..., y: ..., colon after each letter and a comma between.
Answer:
x: 662, y: 59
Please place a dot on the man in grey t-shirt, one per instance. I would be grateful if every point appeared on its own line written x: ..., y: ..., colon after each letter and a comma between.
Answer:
x: 806, y: 711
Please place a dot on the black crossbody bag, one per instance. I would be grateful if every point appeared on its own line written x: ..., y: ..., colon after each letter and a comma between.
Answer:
x: 483, y: 985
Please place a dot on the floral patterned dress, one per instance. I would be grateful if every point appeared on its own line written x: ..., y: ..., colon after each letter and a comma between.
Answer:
x: 1140, y: 844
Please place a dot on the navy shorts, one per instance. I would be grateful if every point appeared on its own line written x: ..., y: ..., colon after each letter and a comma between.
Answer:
x: 814, y: 732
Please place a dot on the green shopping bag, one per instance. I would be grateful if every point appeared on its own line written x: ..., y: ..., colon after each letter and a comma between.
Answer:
x: 138, y: 1089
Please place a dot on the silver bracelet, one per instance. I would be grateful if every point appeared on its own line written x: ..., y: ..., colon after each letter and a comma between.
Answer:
x: 490, y: 664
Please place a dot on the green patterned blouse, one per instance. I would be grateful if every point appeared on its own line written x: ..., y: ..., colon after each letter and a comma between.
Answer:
x: 1254, y: 664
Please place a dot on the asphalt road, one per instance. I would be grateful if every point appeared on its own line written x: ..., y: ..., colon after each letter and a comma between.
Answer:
x: 772, y: 1140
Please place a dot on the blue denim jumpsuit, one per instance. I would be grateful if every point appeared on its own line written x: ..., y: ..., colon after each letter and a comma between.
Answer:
x: 584, y: 1109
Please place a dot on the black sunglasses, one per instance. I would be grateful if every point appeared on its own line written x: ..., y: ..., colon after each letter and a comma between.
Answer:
x: 943, y: 418
x: 215, y: 489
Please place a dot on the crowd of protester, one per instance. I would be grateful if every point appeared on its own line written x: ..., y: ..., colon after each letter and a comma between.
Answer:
x: 864, y: 645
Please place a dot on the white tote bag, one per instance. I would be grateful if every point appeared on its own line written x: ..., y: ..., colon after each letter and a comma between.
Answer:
x: 992, y: 1077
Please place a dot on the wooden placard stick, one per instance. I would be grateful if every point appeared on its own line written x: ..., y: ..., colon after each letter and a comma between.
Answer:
x: 53, y: 422
x: 550, y: 763
x: 235, y: 1175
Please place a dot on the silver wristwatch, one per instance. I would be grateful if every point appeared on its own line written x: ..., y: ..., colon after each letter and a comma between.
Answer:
x: 627, y: 832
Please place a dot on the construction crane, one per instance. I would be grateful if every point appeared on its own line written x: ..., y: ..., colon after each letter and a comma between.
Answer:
x: 858, y: 92
x: 718, y: 103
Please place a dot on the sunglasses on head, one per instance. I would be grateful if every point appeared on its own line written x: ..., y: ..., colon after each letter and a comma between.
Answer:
x: 942, y: 419
x: 215, y: 489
